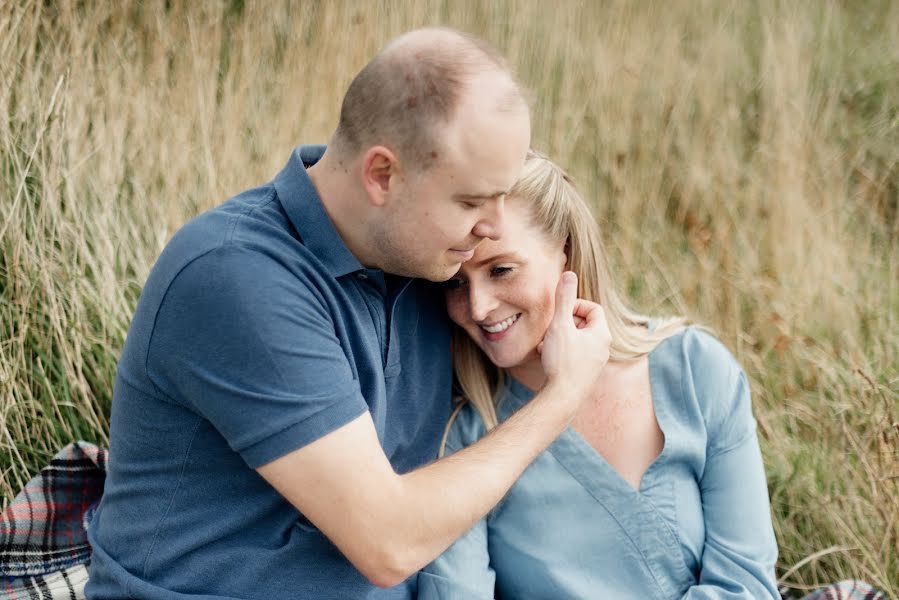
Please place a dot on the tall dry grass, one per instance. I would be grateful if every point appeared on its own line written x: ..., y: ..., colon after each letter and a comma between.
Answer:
x: 742, y: 156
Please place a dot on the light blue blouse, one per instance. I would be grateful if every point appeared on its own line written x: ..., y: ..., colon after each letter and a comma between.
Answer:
x: 572, y: 527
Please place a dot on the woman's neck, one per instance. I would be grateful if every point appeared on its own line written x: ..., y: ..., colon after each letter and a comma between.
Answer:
x: 530, y: 374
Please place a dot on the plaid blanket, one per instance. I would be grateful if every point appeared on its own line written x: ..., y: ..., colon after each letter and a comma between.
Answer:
x: 44, y: 550
x: 851, y: 589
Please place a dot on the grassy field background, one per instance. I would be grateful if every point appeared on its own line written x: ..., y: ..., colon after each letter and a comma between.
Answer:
x: 743, y: 158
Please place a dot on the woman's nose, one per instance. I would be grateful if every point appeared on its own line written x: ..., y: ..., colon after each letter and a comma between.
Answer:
x: 482, y: 302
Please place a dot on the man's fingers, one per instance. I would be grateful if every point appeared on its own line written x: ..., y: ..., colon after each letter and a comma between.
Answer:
x: 566, y: 296
x: 587, y: 311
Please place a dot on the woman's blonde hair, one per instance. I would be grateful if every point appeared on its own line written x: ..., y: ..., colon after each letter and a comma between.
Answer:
x: 560, y: 211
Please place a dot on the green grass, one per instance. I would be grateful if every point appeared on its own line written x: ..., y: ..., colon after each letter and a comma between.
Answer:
x: 743, y: 159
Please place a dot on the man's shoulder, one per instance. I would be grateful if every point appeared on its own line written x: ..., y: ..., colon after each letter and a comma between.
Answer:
x: 237, y: 220
x: 248, y: 228
x: 243, y: 248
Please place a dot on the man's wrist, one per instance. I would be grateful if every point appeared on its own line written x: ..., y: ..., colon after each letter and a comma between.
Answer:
x: 564, y: 393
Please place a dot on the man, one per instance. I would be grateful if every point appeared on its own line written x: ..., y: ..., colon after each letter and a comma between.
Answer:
x: 284, y: 381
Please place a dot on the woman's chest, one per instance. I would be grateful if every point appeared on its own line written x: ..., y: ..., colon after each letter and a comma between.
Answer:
x: 621, y: 424
x: 568, y: 528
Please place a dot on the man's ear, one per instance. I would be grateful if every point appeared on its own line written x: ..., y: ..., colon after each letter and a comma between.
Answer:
x: 379, y: 168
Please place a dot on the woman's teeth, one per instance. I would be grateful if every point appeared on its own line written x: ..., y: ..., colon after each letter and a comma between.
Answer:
x: 502, y: 325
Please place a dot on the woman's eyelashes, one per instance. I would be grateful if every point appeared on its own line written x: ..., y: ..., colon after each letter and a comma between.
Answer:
x: 497, y: 272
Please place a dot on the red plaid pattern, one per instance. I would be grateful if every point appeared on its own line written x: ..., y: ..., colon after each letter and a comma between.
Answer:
x: 43, y: 530
x: 62, y: 585
x: 851, y: 589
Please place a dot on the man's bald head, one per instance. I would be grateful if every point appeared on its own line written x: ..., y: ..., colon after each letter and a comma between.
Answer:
x: 412, y: 89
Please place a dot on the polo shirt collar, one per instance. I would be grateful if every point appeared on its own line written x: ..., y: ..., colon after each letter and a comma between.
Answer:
x: 305, y: 210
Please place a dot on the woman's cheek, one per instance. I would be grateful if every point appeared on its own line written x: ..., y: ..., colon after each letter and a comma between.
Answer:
x: 456, y: 307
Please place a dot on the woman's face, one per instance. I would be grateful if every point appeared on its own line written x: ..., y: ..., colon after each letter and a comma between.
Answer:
x: 505, y: 295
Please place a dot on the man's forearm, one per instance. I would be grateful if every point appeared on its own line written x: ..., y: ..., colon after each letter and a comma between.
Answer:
x: 432, y: 506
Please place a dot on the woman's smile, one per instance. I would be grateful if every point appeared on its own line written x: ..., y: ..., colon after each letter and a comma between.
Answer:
x: 497, y: 331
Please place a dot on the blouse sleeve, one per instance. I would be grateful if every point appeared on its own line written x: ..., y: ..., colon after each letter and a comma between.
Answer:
x: 463, y: 571
x: 740, y: 548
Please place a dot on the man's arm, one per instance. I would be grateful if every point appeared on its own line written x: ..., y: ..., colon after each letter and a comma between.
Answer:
x: 390, y: 525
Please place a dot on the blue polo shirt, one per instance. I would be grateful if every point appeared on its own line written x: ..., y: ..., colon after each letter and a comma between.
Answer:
x: 256, y: 333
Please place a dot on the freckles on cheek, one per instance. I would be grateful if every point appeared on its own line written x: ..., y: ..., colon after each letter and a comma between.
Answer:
x: 549, y: 307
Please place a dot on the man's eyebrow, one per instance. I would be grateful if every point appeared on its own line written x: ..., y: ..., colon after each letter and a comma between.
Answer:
x: 484, y: 194
x: 498, y: 257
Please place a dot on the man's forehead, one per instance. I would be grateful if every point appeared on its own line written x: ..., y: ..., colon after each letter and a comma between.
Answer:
x: 486, y: 161
x: 479, y: 180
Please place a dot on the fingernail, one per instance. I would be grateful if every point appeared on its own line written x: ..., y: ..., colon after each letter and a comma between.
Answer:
x: 569, y: 278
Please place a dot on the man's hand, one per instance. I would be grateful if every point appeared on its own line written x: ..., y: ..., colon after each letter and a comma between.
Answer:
x: 576, y: 346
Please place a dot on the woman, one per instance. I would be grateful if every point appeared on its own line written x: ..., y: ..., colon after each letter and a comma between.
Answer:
x: 657, y: 490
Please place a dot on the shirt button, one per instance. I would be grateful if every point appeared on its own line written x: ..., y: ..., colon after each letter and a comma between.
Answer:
x: 361, y: 276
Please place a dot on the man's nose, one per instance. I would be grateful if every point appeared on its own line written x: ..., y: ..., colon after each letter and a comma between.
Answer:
x: 481, y: 301
x: 491, y: 223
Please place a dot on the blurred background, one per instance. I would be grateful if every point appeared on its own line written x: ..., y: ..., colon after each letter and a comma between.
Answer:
x: 742, y: 159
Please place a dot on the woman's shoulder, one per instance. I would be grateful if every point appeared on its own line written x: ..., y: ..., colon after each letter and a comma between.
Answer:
x: 465, y: 428
x: 468, y: 426
x: 700, y: 353
x: 701, y: 373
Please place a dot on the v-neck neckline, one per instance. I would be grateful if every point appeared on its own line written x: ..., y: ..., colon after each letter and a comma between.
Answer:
x: 590, y: 455
x: 645, y: 515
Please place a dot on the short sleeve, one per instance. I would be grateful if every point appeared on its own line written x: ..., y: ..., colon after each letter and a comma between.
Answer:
x: 250, y: 346
x: 740, y: 548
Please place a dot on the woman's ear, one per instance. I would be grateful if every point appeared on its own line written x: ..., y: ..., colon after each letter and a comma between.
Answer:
x: 567, y: 250
x: 379, y: 167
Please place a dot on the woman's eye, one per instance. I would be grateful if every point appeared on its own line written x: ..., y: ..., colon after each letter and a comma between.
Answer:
x: 500, y: 271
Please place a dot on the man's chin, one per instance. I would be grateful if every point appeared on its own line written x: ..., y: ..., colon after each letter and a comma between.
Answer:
x: 442, y: 275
